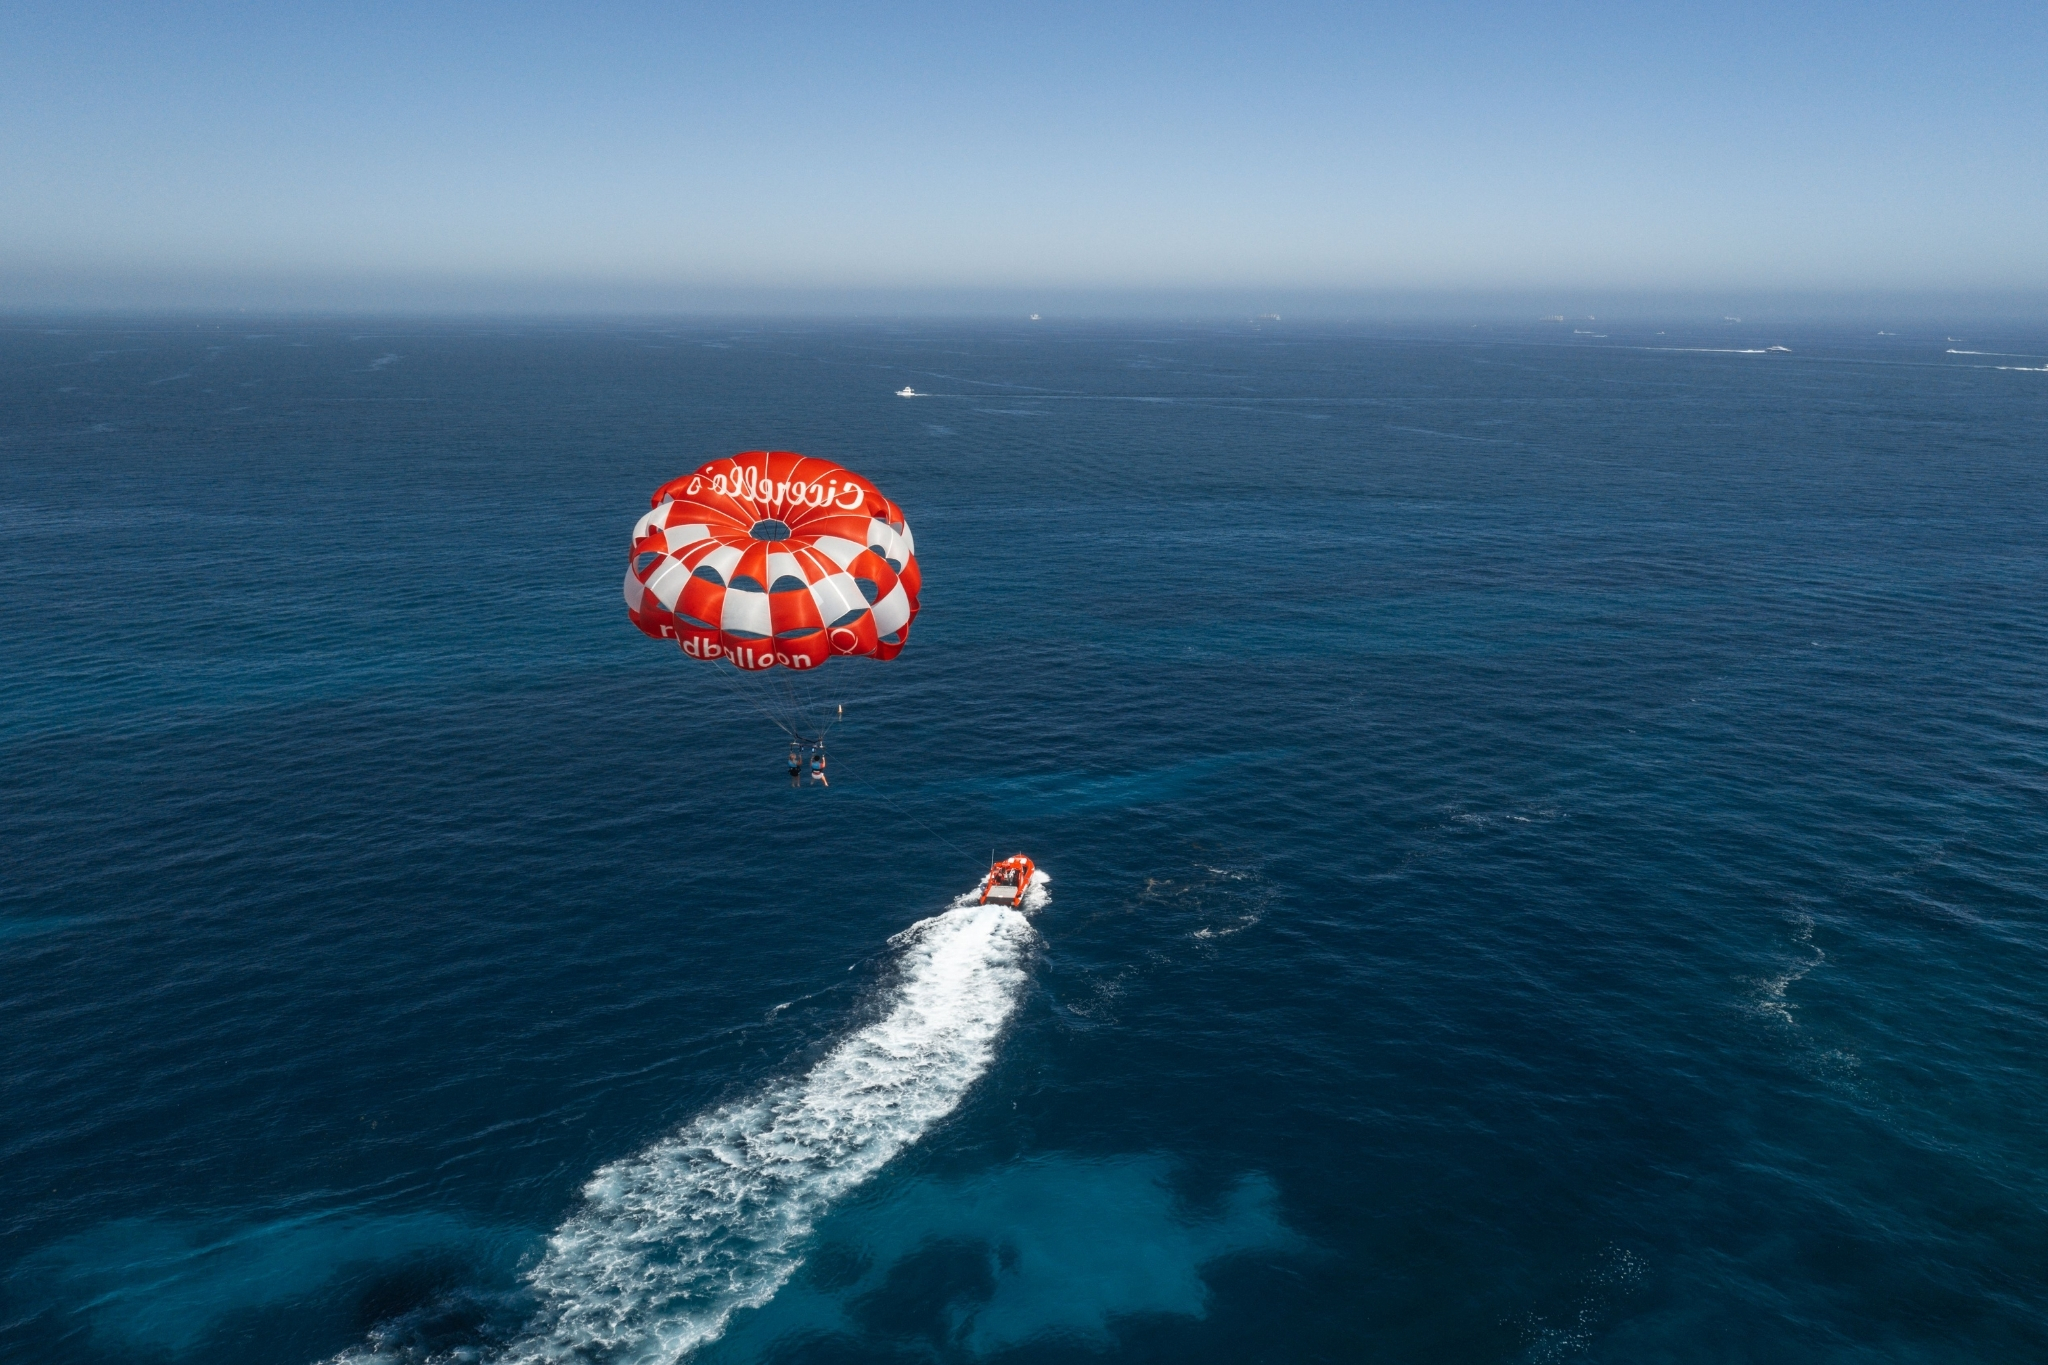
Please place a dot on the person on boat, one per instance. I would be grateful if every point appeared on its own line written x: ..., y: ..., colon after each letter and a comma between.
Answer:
x: 818, y: 768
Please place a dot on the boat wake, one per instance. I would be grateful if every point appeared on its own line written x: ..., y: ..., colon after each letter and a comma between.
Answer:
x: 670, y: 1243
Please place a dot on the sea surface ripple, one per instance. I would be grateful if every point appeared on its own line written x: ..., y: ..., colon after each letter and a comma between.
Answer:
x: 1547, y: 833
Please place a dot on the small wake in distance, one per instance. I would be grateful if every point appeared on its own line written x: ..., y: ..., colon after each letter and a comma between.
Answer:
x: 671, y: 1242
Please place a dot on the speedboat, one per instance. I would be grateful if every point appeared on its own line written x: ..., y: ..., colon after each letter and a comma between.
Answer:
x: 906, y: 392
x: 1007, y: 881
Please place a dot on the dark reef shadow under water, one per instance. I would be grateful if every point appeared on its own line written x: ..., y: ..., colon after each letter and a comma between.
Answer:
x: 1545, y: 838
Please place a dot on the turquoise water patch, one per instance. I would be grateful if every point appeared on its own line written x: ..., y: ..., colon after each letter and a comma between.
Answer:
x: 1060, y: 1247
x: 171, y: 1288
x: 30, y: 926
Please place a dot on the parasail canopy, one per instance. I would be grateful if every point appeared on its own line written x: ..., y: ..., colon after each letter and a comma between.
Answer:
x: 772, y: 559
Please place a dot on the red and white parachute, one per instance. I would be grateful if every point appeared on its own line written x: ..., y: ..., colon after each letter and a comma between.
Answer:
x: 773, y: 561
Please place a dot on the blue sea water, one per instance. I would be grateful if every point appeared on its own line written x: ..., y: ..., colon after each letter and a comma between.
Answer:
x: 1546, y: 838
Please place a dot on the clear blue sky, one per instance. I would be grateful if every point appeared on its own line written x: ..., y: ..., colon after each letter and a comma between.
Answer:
x: 606, y: 146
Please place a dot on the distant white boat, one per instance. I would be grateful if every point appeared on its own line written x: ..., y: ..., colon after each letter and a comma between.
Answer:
x: 1034, y: 317
x: 906, y: 392
x: 1787, y: 350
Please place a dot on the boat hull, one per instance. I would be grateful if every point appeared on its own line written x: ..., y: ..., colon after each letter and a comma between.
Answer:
x: 1008, y: 882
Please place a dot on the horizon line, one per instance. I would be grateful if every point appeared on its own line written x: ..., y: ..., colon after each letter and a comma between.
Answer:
x: 551, y: 300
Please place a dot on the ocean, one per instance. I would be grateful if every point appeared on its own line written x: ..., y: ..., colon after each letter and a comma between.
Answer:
x: 1546, y: 827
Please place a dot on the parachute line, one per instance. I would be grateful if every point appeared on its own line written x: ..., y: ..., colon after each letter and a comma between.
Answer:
x: 747, y: 695
x: 883, y: 798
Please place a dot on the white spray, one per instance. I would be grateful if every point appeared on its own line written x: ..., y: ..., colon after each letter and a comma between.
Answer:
x: 671, y: 1242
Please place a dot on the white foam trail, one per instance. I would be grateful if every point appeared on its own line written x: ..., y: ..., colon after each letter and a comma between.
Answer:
x: 671, y: 1242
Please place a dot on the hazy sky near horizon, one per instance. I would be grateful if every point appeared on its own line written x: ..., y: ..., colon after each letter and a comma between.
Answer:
x: 1358, y: 146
